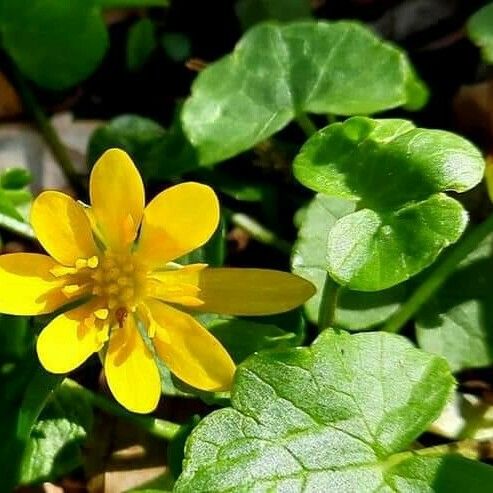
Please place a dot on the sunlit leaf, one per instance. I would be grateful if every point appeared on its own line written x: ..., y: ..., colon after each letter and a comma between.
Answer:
x: 337, y: 417
x: 279, y: 71
x: 355, y: 310
x: 54, y: 447
x: 395, y: 174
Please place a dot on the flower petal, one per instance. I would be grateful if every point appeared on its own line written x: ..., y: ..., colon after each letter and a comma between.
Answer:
x: 68, y: 340
x: 131, y: 371
x: 117, y: 198
x: 26, y: 285
x: 191, y: 352
x: 251, y: 291
x: 177, y: 221
x: 62, y: 227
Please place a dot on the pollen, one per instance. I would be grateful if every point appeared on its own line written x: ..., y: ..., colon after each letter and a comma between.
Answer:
x: 119, y: 280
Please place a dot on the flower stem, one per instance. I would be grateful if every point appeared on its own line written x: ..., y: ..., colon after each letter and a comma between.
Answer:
x: 328, y: 303
x: 306, y: 124
x: 258, y: 231
x: 15, y: 226
x: 439, y: 275
x: 49, y: 133
x: 157, y: 427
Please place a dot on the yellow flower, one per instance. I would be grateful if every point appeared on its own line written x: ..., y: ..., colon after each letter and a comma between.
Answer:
x: 113, y: 262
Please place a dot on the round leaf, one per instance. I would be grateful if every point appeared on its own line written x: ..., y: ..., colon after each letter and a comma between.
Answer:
x: 328, y: 418
x: 355, y: 310
x: 395, y: 174
x: 56, y: 44
x: 278, y: 71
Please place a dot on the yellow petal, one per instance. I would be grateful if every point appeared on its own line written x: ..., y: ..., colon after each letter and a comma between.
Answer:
x: 251, y: 291
x: 192, y: 353
x: 68, y: 340
x: 117, y: 198
x: 27, y: 286
x: 130, y: 369
x: 176, y: 286
x: 62, y: 227
x: 177, y: 221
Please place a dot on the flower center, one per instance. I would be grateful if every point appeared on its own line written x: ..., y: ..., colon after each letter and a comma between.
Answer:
x: 119, y: 280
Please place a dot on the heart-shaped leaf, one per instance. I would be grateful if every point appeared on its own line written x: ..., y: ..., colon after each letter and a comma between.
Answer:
x: 355, y: 310
x: 336, y: 417
x: 56, y: 44
x: 395, y: 174
x: 277, y: 72
x: 459, y: 315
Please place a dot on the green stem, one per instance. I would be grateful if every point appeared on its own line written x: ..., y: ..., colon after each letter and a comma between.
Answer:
x: 472, y: 449
x: 439, y: 275
x: 306, y: 124
x: 157, y: 427
x: 258, y: 231
x: 15, y: 226
x: 49, y: 133
x: 129, y: 4
x: 328, y: 303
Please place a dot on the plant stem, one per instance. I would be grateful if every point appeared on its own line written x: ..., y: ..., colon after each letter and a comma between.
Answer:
x: 472, y: 449
x: 157, y: 427
x: 15, y: 226
x: 439, y: 275
x: 328, y: 303
x: 127, y: 4
x: 258, y: 231
x: 49, y: 133
x: 306, y: 124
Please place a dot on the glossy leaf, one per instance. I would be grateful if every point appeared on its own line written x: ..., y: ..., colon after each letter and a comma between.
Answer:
x: 54, y: 448
x: 336, y: 417
x: 459, y: 315
x: 141, y: 42
x: 355, y: 310
x: 480, y: 30
x: 251, y: 12
x: 56, y: 44
x: 395, y: 174
x: 279, y: 71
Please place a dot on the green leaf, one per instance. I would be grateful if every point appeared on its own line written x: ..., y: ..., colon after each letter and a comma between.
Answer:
x: 279, y: 71
x: 56, y: 44
x: 395, y: 174
x: 54, y: 448
x: 335, y: 417
x: 177, y: 46
x: 15, y: 338
x: 15, y: 178
x: 355, y: 310
x: 24, y: 387
x: 459, y: 315
x: 242, y: 338
x: 251, y: 12
x: 141, y: 42
x: 158, y: 153
x: 480, y: 30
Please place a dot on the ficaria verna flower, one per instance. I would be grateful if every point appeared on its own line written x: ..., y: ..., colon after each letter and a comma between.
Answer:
x: 111, y: 264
